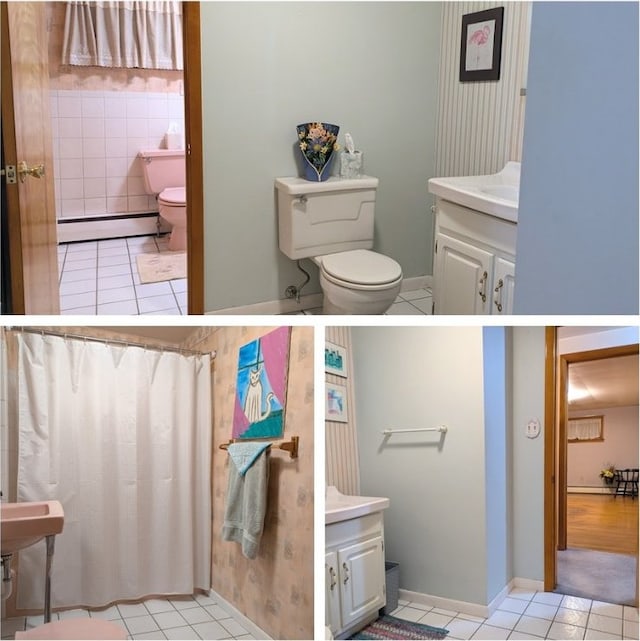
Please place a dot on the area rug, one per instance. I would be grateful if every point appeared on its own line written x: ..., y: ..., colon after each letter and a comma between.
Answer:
x: 603, y: 576
x: 388, y: 627
x: 154, y: 268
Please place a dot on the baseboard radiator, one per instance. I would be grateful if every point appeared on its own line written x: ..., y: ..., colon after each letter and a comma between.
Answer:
x: 100, y: 227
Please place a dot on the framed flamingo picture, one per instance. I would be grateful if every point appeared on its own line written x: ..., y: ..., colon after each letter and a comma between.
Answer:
x: 481, y: 45
x: 262, y: 386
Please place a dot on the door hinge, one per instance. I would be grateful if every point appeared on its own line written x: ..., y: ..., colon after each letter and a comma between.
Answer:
x: 9, y: 172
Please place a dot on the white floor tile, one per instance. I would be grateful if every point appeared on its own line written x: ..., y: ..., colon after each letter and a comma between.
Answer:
x: 548, y: 598
x: 576, y: 603
x: 403, y: 309
x: 114, y: 270
x: 541, y: 610
x: 138, y: 625
x: 604, y: 624
x: 490, y: 633
x: 436, y: 620
x: 233, y: 627
x: 204, y: 599
x: 564, y: 631
x: 408, y: 613
x: 108, y: 613
x: 78, y: 274
x: 73, y: 614
x: 183, y: 604
x: 522, y: 635
x: 186, y: 632
x: 179, y: 285
x: 116, y: 295
x: 114, y: 282
x: 158, y: 634
x: 78, y: 287
x: 114, y: 242
x: 195, y: 615
x: 630, y: 629
x: 513, y: 605
x: 158, y: 605
x: 153, y: 289
x: 156, y: 303
x: 606, y: 609
x: 175, y: 311
x: 171, y: 619
x: 82, y: 254
x: 74, y: 248
x: 126, y: 308
x: 597, y: 635
x: 86, y: 299
x: 503, y: 619
x: 116, y: 259
x: 113, y: 251
x: 414, y: 294
x: 420, y: 606
x: 211, y: 630
x: 79, y: 311
x: 74, y: 265
x: 630, y: 614
x: 425, y: 305
x: 522, y: 593
x: 572, y: 617
x: 533, y: 625
x: 132, y: 610
x: 462, y: 629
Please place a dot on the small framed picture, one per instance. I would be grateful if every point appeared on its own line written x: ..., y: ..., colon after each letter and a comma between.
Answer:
x: 335, y: 359
x: 336, y: 403
x: 481, y: 45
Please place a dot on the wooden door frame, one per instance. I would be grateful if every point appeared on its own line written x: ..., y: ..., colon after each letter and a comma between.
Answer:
x: 193, y: 161
x: 555, y: 446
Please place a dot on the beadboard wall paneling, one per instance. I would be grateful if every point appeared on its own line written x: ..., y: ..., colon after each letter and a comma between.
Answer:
x: 342, y: 468
x: 480, y: 124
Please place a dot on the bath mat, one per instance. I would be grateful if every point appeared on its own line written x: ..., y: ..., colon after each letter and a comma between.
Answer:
x: 154, y: 268
x: 388, y: 627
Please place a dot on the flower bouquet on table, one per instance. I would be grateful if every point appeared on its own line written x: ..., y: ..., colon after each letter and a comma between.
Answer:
x: 317, y: 142
x: 608, y: 473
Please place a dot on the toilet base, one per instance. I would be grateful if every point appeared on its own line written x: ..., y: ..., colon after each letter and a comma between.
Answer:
x: 342, y: 301
x: 178, y: 239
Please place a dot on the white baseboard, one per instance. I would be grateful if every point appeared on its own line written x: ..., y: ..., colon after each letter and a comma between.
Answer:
x: 284, y: 306
x: 289, y: 305
x: 97, y: 229
x: 248, y: 624
x: 474, y: 609
x: 589, y: 490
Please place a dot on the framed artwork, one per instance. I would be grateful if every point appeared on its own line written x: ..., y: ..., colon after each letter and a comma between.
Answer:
x: 481, y: 45
x: 261, y: 386
x: 335, y: 359
x: 336, y: 403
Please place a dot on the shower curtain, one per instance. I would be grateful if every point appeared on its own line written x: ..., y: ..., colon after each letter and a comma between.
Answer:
x: 121, y: 436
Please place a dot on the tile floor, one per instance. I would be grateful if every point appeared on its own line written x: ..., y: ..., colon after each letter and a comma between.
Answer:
x: 199, y: 617
x: 527, y: 614
x: 101, y: 277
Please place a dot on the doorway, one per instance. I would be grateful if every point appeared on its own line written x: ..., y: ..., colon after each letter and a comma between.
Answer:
x: 26, y: 270
x: 591, y: 543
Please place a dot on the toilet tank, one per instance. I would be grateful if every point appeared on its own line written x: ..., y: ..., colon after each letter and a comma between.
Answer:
x: 325, y: 217
x: 162, y: 168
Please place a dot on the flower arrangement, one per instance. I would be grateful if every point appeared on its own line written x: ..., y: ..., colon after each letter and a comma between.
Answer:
x: 317, y: 142
x: 608, y: 473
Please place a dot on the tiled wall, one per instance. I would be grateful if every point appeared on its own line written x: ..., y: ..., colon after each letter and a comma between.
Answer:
x: 96, y: 137
x: 274, y: 590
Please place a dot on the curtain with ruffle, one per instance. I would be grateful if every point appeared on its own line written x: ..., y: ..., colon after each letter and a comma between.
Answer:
x: 138, y: 35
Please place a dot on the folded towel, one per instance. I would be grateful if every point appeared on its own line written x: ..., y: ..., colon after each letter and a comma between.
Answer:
x: 246, y: 497
x: 244, y: 454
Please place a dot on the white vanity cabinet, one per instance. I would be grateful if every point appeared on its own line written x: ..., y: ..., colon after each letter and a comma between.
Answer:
x: 354, y: 573
x: 474, y: 261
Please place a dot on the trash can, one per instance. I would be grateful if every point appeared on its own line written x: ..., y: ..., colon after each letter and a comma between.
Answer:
x: 392, y: 580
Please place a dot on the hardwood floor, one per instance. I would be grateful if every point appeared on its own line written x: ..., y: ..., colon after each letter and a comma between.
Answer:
x: 601, y: 522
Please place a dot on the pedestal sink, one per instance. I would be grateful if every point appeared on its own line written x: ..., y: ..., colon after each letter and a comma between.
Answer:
x: 22, y: 525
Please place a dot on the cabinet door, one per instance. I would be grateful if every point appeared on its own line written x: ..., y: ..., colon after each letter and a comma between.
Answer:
x: 462, y: 277
x: 332, y: 592
x: 503, y: 284
x: 361, y: 579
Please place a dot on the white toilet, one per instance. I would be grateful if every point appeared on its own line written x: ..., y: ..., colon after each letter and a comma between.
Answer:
x: 164, y: 176
x: 332, y: 223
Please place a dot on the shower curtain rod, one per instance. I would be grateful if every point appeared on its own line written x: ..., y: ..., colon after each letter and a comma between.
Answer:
x: 110, y: 341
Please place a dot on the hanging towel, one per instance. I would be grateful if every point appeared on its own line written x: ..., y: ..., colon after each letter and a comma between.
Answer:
x: 246, y: 496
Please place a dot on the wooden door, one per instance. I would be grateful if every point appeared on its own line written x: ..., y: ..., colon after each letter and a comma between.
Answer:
x: 26, y: 127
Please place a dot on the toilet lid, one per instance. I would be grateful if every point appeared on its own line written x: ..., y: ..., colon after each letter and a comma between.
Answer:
x: 361, y: 266
x: 173, y: 196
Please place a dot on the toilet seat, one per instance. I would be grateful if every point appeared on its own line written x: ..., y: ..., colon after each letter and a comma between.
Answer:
x: 84, y: 628
x: 173, y: 197
x: 361, y: 269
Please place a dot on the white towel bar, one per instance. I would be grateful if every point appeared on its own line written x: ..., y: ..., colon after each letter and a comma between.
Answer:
x: 440, y: 428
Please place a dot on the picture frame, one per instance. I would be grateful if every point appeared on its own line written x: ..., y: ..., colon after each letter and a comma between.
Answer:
x: 481, y: 45
x: 335, y: 359
x: 336, y: 403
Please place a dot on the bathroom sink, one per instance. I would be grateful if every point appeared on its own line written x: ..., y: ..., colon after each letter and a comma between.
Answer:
x: 341, y: 507
x: 494, y: 194
x: 23, y: 524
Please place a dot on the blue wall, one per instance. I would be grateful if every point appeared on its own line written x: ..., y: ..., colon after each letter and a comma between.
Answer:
x: 578, y: 222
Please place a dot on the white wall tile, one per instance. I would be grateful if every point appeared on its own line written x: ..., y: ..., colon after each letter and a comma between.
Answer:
x: 70, y: 208
x: 117, y: 166
x: 69, y: 127
x: 93, y: 128
x: 94, y: 206
x: 70, y: 148
x: 69, y: 106
x: 93, y: 107
x: 71, y: 188
x: 95, y: 187
x: 94, y: 168
x: 71, y: 168
x: 116, y: 187
x: 115, y: 127
x: 93, y: 148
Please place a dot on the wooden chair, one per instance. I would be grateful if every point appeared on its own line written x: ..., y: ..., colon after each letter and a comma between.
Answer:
x: 626, y: 482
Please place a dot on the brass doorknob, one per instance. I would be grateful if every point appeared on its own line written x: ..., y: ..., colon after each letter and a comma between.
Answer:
x: 37, y: 171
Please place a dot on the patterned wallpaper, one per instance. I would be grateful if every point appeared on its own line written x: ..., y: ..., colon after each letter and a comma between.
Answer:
x: 275, y: 590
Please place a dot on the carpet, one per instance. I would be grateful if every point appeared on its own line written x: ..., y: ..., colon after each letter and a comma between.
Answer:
x: 603, y: 576
x: 388, y: 627
x: 154, y: 268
